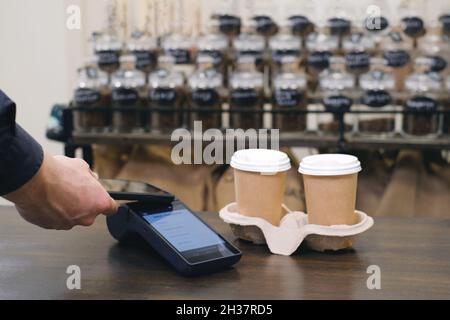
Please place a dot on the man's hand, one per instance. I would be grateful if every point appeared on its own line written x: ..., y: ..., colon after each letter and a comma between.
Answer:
x: 62, y: 194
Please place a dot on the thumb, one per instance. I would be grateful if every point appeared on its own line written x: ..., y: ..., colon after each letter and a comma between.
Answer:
x: 112, y: 208
x: 109, y: 204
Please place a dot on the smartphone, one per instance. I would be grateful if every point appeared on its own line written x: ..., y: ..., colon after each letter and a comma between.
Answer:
x: 135, y: 191
x: 183, y: 239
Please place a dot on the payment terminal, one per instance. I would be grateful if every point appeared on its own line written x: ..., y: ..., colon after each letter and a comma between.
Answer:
x: 184, y: 240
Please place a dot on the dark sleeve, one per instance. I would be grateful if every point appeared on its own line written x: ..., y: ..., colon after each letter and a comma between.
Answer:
x: 20, y: 155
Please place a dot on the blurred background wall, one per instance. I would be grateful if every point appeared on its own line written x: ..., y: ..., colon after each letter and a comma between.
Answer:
x: 39, y: 55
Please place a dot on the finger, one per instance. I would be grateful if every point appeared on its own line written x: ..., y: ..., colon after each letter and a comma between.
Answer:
x: 94, y: 174
x: 112, y: 209
x: 107, y: 205
x: 85, y: 221
x: 61, y: 157
x: 82, y: 163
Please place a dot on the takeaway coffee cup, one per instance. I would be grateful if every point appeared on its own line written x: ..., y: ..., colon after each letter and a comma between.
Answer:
x: 330, y: 188
x: 259, y: 181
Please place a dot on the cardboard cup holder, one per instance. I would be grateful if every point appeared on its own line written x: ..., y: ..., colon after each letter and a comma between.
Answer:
x: 293, y: 229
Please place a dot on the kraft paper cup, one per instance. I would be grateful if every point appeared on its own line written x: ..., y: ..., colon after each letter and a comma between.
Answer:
x: 259, y: 182
x: 330, y: 182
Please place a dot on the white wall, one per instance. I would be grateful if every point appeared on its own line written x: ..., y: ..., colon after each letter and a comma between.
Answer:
x: 33, y: 61
x: 38, y: 61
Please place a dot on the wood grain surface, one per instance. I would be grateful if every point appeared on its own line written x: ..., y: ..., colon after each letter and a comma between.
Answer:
x: 413, y: 255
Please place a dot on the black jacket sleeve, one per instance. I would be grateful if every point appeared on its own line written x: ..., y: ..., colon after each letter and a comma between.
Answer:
x: 20, y: 155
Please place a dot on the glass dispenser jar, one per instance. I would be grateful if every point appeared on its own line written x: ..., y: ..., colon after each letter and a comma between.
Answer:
x: 397, y: 51
x: 128, y: 96
x: 180, y: 48
x: 336, y: 89
x: 145, y: 49
x: 246, y: 93
x: 321, y: 46
x: 435, y: 45
x: 283, y: 44
x: 166, y: 96
x: 183, y: 50
x: 377, y: 87
x: 250, y: 44
x: 289, y: 93
x: 358, y: 49
x: 206, y: 92
x: 424, y: 91
x: 108, y: 49
x: 92, y: 92
x: 216, y: 46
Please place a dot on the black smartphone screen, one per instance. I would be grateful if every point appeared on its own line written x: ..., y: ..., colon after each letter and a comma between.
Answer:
x: 134, y: 190
x: 189, y: 235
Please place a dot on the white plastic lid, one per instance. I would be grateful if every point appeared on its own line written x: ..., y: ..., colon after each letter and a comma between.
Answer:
x: 260, y: 160
x: 331, y: 164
